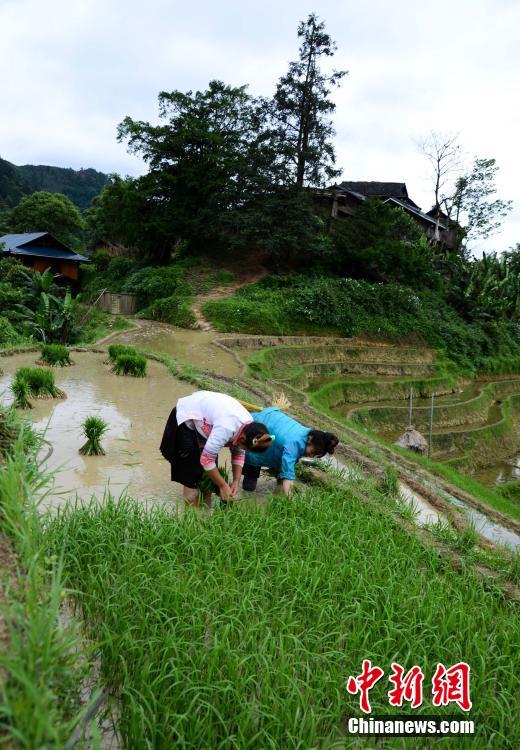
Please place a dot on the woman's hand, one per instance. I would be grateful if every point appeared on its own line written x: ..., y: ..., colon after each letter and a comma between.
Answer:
x: 226, y: 492
x: 235, y: 486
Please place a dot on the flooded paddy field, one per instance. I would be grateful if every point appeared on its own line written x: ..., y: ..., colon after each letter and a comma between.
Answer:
x: 192, y: 346
x: 135, y: 409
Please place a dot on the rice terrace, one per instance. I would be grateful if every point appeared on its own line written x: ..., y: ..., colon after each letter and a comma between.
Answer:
x: 259, y: 424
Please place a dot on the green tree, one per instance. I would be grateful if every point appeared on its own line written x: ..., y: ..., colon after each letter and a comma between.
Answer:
x: 48, y: 212
x: 122, y: 213
x: 382, y: 243
x: 209, y: 160
x: 302, y: 107
x: 473, y: 205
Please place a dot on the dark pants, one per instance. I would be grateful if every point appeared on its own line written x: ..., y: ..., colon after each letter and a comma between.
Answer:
x: 250, y: 474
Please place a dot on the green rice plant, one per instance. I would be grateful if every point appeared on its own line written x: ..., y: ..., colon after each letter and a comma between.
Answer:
x: 44, y: 665
x: 130, y: 364
x: 21, y: 392
x: 55, y: 355
x: 239, y: 630
x: 115, y: 351
x: 40, y: 382
x: 207, y: 486
x: 93, y: 429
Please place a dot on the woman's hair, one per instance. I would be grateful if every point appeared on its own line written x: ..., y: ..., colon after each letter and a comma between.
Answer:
x: 323, y: 442
x: 257, y: 437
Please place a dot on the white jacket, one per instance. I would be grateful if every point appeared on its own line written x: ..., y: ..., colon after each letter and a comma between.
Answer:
x: 218, y: 418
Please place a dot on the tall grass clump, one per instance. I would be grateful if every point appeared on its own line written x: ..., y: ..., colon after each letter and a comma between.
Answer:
x: 40, y: 382
x: 115, y: 351
x: 240, y: 629
x: 130, y: 364
x: 93, y: 429
x: 55, y: 355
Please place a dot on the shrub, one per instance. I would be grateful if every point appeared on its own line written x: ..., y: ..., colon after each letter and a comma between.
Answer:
x: 174, y: 310
x: 8, y: 334
x: 56, y: 354
x: 40, y: 383
x: 93, y: 428
x: 115, y: 351
x: 130, y: 364
x: 157, y: 282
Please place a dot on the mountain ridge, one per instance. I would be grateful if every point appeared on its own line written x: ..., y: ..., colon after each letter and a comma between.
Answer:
x: 80, y: 185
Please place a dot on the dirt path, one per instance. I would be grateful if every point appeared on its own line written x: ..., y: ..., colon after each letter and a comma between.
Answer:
x: 247, y: 277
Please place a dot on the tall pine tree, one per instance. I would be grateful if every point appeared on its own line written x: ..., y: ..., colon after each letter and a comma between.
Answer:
x: 302, y: 107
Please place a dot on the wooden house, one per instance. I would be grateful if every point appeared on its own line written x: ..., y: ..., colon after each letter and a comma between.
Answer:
x: 40, y: 250
x: 345, y: 198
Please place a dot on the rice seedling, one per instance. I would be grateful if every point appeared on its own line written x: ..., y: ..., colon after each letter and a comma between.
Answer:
x: 130, y: 364
x: 239, y: 630
x: 207, y: 486
x: 21, y: 392
x: 93, y: 429
x: 56, y: 355
x: 42, y: 668
x: 115, y: 351
x: 40, y: 382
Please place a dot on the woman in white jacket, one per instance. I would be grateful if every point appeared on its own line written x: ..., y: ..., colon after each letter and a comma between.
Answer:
x: 197, y: 429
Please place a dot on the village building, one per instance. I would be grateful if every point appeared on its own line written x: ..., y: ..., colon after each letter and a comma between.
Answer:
x: 345, y: 198
x: 40, y: 250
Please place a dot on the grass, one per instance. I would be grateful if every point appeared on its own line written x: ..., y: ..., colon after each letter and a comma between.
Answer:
x: 40, y: 382
x: 239, y: 630
x: 93, y: 428
x: 56, y: 355
x: 130, y: 364
x: 99, y: 324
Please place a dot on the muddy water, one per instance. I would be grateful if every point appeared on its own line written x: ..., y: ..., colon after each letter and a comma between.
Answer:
x: 505, y: 471
x: 195, y: 347
x: 135, y: 409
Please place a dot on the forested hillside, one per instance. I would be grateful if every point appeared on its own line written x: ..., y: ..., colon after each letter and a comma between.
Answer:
x: 78, y: 185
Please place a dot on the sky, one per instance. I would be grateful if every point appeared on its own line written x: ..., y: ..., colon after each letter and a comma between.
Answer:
x: 71, y: 70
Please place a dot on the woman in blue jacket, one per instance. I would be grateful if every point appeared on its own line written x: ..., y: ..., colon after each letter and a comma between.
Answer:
x: 293, y: 441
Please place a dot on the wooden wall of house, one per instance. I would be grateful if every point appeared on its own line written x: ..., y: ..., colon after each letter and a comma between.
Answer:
x: 67, y: 268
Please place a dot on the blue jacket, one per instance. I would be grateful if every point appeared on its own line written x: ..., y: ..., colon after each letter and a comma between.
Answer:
x: 289, y: 446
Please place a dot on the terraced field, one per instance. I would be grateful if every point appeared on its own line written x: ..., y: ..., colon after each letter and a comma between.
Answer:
x: 368, y: 384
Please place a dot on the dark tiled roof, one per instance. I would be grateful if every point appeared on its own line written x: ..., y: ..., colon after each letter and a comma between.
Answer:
x: 414, y: 211
x: 12, y: 241
x: 379, y: 190
x: 49, y: 252
x: 21, y: 244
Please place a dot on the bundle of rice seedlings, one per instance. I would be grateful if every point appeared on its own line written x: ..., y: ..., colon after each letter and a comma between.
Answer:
x: 20, y: 390
x: 115, y: 350
x: 39, y: 381
x: 56, y: 355
x: 130, y: 364
x: 207, y: 486
x: 93, y: 428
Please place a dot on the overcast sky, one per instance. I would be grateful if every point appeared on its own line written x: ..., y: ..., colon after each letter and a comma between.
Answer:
x: 70, y: 70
